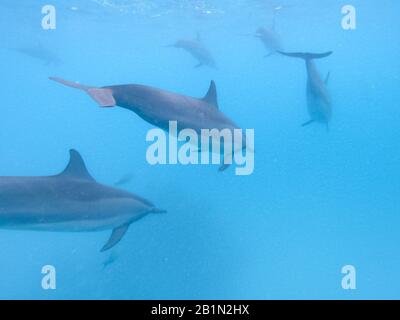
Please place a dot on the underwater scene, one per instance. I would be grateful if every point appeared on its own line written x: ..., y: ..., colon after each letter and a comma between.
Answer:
x: 200, y: 149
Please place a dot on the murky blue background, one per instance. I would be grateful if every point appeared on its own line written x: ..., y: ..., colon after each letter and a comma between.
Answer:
x: 316, y: 201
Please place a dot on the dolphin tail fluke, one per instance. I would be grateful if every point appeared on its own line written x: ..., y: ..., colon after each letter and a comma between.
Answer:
x: 116, y: 236
x: 305, y: 55
x: 103, y: 96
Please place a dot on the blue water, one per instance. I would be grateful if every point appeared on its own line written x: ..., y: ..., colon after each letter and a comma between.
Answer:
x: 317, y: 200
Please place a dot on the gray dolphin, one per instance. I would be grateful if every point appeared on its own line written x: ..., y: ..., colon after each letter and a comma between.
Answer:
x: 270, y: 40
x: 159, y: 107
x: 198, y: 50
x: 318, y: 98
x: 71, y: 201
x: 269, y: 36
x: 39, y: 52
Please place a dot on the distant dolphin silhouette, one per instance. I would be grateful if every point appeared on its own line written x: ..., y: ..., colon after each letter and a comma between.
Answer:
x: 71, y: 201
x: 159, y: 107
x: 269, y: 36
x: 39, y: 52
x: 198, y: 50
x: 318, y: 98
x: 270, y: 40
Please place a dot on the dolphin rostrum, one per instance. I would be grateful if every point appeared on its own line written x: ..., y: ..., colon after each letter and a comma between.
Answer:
x: 71, y: 201
x: 198, y: 50
x: 159, y: 107
x: 318, y: 98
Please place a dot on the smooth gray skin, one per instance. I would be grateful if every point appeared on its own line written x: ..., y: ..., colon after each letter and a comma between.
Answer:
x: 40, y: 53
x: 318, y: 99
x: 270, y: 40
x: 71, y: 201
x: 159, y: 107
x: 198, y: 50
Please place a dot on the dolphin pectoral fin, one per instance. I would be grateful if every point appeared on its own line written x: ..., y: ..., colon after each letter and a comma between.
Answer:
x: 223, y: 167
x: 307, y: 123
x: 116, y: 236
x: 327, y: 78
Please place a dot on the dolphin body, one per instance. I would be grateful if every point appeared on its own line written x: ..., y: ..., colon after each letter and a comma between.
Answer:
x: 318, y: 98
x: 198, y: 50
x: 71, y: 201
x: 159, y: 107
x: 270, y: 40
x: 269, y: 36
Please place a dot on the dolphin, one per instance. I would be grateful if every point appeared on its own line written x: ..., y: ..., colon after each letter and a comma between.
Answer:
x: 39, y: 52
x: 71, y: 201
x: 159, y: 107
x: 318, y: 98
x: 269, y: 36
x: 270, y: 40
x: 198, y: 50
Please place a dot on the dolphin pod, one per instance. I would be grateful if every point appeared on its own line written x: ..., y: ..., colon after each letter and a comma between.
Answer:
x: 318, y: 98
x: 71, y: 201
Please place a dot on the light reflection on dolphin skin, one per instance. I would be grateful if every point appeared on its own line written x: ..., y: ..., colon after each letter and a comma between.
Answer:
x: 318, y: 98
x: 69, y: 202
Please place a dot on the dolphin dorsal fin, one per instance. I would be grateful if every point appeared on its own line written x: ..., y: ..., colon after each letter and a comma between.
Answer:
x: 211, y: 96
x: 76, y: 167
